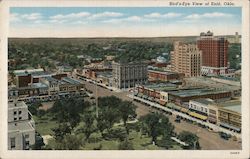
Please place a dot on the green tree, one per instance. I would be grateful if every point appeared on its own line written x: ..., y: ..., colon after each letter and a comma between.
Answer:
x: 126, y: 145
x: 127, y: 109
x: 155, y: 125
x: 61, y: 131
x: 189, y: 138
x: 89, y: 127
x: 69, y: 142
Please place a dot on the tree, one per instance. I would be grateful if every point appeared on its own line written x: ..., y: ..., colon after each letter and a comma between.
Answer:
x: 127, y: 109
x: 108, y: 111
x: 89, y: 128
x: 69, y: 142
x: 189, y: 138
x: 126, y: 145
x: 62, y: 130
x: 155, y: 124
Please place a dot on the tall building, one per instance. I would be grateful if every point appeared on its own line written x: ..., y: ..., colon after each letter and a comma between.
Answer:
x: 186, y: 58
x: 214, y: 54
x: 127, y: 75
x: 21, y: 127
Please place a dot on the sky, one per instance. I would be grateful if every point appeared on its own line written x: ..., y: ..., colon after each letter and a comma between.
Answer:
x: 122, y: 21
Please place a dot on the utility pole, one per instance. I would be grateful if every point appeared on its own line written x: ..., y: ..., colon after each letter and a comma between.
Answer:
x: 96, y: 99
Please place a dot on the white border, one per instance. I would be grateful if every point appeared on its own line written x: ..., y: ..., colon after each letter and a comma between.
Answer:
x: 4, y: 153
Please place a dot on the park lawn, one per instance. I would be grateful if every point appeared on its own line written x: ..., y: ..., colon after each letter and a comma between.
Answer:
x: 44, y: 124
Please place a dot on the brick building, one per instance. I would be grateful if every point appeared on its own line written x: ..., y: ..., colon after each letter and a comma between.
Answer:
x: 186, y: 58
x: 214, y: 54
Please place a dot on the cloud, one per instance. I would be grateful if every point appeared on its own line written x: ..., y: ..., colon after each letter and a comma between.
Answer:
x: 128, y: 19
x: 70, y: 16
x: 209, y: 15
x: 15, y: 17
x: 58, y: 21
x: 106, y: 15
x: 167, y: 15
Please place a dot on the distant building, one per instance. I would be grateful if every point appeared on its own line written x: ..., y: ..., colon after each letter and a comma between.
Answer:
x: 154, y: 75
x: 127, y: 75
x: 21, y: 127
x: 214, y: 54
x: 186, y: 58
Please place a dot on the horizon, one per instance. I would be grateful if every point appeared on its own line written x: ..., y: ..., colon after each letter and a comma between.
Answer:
x: 130, y: 22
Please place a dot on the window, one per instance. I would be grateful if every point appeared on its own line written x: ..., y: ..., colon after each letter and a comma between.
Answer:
x: 20, y: 118
x: 27, y: 144
x: 15, y: 118
x: 12, y: 143
x: 27, y: 136
x: 20, y: 112
x: 14, y: 112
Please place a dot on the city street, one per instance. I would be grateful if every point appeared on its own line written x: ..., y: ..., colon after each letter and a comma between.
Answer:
x: 208, y: 140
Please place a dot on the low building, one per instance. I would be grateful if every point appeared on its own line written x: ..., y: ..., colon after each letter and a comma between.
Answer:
x: 154, y: 75
x: 200, y: 105
x: 21, y: 127
x: 127, y: 75
x: 230, y: 115
x: 185, y: 95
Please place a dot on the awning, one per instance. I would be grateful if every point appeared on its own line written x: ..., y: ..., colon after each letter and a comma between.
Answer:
x: 150, y: 98
x: 197, y: 115
x: 229, y: 126
x: 145, y: 96
x: 173, y: 106
x: 162, y: 102
x: 184, y: 110
x: 140, y: 95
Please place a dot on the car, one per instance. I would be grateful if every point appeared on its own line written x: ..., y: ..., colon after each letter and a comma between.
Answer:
x: 178, y: 120
x: 224, y: 135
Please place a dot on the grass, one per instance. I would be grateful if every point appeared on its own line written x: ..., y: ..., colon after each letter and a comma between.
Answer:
x: 44, y: 124
x: 140, y: 142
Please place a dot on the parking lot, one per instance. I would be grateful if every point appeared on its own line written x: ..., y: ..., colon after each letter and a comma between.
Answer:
x: 209, y: 140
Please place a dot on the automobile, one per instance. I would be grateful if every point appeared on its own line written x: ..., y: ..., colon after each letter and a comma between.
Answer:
x: 178, y: 120
x: 224, y: 135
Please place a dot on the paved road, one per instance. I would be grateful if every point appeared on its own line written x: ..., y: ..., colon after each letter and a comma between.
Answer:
x: 208, y: 140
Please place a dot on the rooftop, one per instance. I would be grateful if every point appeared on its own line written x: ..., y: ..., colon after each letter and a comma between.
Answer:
x: 19, y: 104
x: 71, y: 80
x: 162, y: 72
x: 233, y: 105
x: 161, y: 86
x: 196, y: 92
x: 20, y: 126
x: 205, y: 101
x: 38, y: 85
x: 27, y: 71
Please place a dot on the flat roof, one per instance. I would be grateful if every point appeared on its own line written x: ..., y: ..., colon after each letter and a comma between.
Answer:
x: 19, y: 104
x: 161, y: 86
x: 27, y: 71
x: 71, y: 80
x: 234, y: 105
x: 196, y: 92
x: 162, y: 72
x: 20, y: 126
x: 205, y: 101
x: 38, y: 85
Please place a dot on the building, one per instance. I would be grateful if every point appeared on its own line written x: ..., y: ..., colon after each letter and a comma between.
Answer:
x: 181, y: 96
x: 21, y: 127
x: 27, y: 77
x: 200, y: 105
x: 154, y: 75
x: 187, y: 59
x: 230, y: 115
x: 127, y: 75
x: 214, y: 54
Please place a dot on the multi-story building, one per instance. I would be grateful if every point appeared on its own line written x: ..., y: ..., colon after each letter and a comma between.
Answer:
x: 127, y: 75
x: 154, y: 75
x: 21, y: 127
x: 186, y: 58
x: 214, y: 54
x: 200, y: 105
x: 229, y: 115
